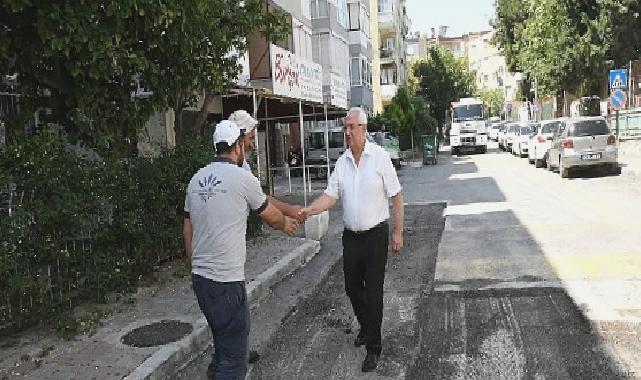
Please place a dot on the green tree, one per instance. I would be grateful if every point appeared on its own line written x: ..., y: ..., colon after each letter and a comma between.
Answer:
x: 85, y: 60
x: 508, y: 25
x: 408, y: 117
x: 569, y: 44
x: 442, y: 79
x: 493, y: 100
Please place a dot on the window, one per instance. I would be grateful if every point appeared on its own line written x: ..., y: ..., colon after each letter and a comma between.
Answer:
x: 354, y: 14
x: 385, y: 5
x: 361, y: 71
x: 365, y: 21
x: 319, y: 8
x: 336, y: 139
x: 589, y: 128
x: 342, y: 13
x: 388, y: 75
x: 356, y: 71
x: 306, y: 8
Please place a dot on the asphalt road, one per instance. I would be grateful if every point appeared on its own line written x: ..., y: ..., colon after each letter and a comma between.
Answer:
x: 529, y: 276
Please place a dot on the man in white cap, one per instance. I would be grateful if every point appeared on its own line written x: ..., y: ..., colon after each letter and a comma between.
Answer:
x: 218, y: 200
x: 248, y: 124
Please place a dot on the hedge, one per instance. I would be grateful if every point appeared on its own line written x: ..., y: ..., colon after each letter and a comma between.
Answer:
x: 73, y: 229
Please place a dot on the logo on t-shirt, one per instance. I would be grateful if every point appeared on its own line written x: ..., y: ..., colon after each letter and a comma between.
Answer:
x: 208, y: 187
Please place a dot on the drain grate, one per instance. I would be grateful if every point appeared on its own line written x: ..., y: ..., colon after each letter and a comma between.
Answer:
x: 157, y: 333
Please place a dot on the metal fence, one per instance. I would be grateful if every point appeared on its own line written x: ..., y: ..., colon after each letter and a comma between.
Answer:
x: 42, y: 276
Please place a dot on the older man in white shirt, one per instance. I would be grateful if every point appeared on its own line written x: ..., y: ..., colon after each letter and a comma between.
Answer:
x: 364, y: 179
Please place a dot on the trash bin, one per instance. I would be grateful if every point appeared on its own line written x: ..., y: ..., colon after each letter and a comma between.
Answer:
x: 429, y: 146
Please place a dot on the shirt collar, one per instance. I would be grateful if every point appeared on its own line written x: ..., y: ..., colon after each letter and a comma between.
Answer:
x: 367, y: 150
x: 224, y: 159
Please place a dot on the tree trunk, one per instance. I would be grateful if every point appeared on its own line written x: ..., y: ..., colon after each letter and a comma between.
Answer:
x: 202, y: 114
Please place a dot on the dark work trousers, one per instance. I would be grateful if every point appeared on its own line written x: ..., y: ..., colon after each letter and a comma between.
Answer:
x: 364, y: 259
x: 227, y: 312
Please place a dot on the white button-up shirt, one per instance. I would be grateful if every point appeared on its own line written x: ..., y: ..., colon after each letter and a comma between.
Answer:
x: 364, y: 189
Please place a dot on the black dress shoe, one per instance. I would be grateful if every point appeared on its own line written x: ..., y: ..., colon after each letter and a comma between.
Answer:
x: 254, y: 356
x: 211, y: 370
x: 360, y: 339
x: 370, y: 362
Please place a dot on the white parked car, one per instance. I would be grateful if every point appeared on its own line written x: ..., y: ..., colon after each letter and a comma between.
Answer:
x: 522, y: 139
x: 540, y: 142
x: 502, y: 134
x: 510, y: 133
x: 494, y: 130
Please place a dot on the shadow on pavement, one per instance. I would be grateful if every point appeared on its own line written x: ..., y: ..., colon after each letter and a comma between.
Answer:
x: 498, y: 308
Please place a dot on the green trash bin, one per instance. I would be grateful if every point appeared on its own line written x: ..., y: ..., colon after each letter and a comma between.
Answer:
x: 429, y: 146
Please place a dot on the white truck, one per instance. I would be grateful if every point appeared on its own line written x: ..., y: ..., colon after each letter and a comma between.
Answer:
x: 468, y: 129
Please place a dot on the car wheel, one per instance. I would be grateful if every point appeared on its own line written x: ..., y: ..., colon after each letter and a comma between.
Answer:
x: 563, y: 171
x: 538, y: 163
x: 548, y: 164
x: 530, y: 161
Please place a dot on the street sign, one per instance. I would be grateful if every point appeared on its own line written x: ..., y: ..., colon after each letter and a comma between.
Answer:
x: 619, y: 78
x: 618, y: 99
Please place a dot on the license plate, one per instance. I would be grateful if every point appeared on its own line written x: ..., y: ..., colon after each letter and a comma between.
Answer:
x: 594, y: 156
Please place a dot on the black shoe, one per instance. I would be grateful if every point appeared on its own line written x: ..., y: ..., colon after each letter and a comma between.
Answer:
x: 254, y: 356
x: 370, y: 362
x: 360, y: 339
x: 211, y: 370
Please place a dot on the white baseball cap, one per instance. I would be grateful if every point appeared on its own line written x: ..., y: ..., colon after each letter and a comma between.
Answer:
x: 226, y: 131
x: 243, y: 120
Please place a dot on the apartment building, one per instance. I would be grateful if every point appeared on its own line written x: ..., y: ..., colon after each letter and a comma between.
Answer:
x: 483, y: 57
x: 330, y: 42
x: 376, y: 57
x: 393, y: 26
x: 415, y: 47
x: 360, y: 49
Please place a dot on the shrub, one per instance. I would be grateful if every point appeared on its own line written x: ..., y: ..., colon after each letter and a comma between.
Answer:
x: 74, y: 229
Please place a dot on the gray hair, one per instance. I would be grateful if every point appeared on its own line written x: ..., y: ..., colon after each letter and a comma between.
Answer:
x: 362, y: 116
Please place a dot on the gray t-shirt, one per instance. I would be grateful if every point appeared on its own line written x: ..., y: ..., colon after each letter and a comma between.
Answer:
x: 219, y: 198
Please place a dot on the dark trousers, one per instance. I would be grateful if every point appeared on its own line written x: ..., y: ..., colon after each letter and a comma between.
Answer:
x: 227, y: 312
x: 364, y: 259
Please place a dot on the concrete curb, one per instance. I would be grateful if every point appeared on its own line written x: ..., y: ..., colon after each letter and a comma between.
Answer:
x: 171, y: 357
x: 630, y: 172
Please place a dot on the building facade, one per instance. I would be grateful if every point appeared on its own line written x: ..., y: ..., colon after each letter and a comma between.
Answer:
x: 330, y: 41
x: 376, y: 58
x: 482, y: 57
x: 360, y: 49
x: 393, y: 26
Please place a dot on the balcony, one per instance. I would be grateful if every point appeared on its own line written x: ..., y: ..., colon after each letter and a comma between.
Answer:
x: 388, y: 55
x: 388, y: 91
x: 387, y: 21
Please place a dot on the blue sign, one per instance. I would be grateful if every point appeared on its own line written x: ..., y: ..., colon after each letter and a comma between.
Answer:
x: 619, y: 78
x: 618, y: 99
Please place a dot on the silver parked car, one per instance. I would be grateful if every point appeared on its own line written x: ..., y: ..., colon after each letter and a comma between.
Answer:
x: 584, y: 142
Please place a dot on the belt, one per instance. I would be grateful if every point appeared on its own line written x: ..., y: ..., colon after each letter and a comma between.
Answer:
x: 381, y: 224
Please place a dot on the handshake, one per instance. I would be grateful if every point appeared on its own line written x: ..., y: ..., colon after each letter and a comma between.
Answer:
x: 294, y: 217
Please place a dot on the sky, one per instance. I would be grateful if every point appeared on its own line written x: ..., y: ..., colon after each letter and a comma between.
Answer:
x: 462, y: 16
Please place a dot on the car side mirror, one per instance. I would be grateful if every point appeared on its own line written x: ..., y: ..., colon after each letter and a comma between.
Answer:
x: 550, y: 138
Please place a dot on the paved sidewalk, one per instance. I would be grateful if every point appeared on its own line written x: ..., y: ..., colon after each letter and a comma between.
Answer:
x: 41, y: 354
x: 630, y: 158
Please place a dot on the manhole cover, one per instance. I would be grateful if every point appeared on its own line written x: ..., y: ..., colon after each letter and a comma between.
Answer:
x: 157, y: 333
